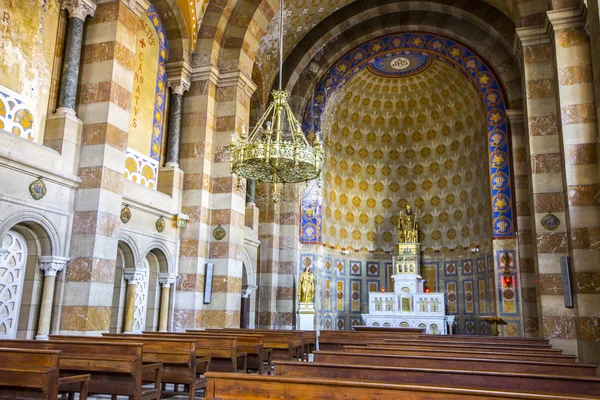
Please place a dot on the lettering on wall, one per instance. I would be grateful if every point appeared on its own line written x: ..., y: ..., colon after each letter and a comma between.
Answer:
x: 146, y: 117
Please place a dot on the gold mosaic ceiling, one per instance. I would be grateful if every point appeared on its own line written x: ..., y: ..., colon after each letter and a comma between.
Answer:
x: 418, y: 139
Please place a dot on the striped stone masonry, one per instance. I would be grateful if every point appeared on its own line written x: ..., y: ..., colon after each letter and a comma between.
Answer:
x: 580, y: 159
x: 228, y: 201
x: 526, y: 253
x: 269, y: 232
x: 548, y: 227
x: 106, y: 81
x: 195, y: 159
x: 215, y: 107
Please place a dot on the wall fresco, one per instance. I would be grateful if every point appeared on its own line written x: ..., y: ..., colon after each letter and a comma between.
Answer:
x: 28, y: 30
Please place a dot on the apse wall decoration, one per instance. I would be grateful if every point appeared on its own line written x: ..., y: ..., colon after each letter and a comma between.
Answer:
x: 425, y: 47
x: 146, y: 117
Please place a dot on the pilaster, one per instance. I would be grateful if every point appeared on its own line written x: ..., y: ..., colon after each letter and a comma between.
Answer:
x: 105, y: 85
x: 546, y: 186
x: 579, y: 148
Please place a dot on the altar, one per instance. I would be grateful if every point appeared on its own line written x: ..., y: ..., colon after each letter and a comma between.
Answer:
x: 410, y: 305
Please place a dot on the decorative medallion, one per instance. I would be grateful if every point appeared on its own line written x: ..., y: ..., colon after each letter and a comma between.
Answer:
x: 550, y: 222
x: 219, y: 233
x: 125, y: 215
x: 160, y: 225
x: 37, y: 189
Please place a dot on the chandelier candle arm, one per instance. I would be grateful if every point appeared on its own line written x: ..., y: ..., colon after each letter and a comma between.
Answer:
x: 276, y: 150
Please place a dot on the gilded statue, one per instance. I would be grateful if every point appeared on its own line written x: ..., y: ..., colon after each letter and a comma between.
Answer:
x: 307, y: 286
x: 408, y: 227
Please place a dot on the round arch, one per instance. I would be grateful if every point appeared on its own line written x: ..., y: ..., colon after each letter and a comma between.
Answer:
x: 250, y: 268
x: 163, y: 256
x: 467, y: 62
x: 130, y: 252
x: 45, y: 232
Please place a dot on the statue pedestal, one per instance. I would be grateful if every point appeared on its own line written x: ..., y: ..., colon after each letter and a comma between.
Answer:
x: 306, y: 318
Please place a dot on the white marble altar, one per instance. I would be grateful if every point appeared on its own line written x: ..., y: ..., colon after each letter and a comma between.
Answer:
x: 409, y: 305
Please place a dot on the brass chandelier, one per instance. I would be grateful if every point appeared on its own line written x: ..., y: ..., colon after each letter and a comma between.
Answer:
x: 277, y: 151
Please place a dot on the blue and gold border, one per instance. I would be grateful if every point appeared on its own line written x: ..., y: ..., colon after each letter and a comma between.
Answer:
x: 473, y: 67
x: 161, y: 84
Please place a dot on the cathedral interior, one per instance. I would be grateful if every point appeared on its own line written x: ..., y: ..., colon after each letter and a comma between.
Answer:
x: 119, y: 211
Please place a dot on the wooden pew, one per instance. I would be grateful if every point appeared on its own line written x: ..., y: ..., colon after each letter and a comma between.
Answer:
x: 178, y: 357
x: 462, y: 352
x: 223, y: 352
x: 489, y: 380
x: 252, y: 345
x: 448, y: 346
x: 286, y: 345
x: 467, y: 342
x: 336, y: 340
x: 488, y: 338
x: 422, y: 361
x: 35, y: 374
x: 223, y: 386
x: 115, y: 368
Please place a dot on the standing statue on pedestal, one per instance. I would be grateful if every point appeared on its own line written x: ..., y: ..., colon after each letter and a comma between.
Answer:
x: 408, y: 227
x: 307, y: 286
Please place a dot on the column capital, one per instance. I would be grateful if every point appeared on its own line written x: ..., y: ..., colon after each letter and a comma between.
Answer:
x: 79, y: 8
x: 247, y: 291
x: 533, y: 35
x: 133, y: 276
x: 166, y: 279
x: 239, y: 79
x: 564, y: 18
x: 178, y: 86
x: 515, y: 115
x: 51, y: 265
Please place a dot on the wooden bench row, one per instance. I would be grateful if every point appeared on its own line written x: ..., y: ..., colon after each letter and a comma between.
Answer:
x: 35, y: 374
x: 383, y: 365
x: 114, y: 368
x: 226, y: 386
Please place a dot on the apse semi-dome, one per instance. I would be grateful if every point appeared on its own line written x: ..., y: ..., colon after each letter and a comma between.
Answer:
x: 418, y: 138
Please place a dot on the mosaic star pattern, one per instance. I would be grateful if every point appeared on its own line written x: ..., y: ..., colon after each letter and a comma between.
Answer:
x: 462, y: 59
x: 419, y: 139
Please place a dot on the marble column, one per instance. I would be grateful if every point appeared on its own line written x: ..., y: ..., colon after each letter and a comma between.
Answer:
x: 178, y: 87
x: 133, y: 277
x: 250, y: 192
x: 165, y: 280
x: 50, y: 265
x: 78, y: 11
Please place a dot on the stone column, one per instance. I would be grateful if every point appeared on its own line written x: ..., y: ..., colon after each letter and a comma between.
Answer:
x: 579, y: 143
x: 165, y: 280
x: 133, y: 277
x: 50, y: 266
x: 78, y: 11
x: 176, y: 106
x: 250, y: 192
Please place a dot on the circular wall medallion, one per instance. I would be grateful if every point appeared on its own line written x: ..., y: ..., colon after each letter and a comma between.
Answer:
x: 160, y: 225
x: 125, y: 215
x: 219, y: 233
x: 37, y: 189
x: 550, y: 222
